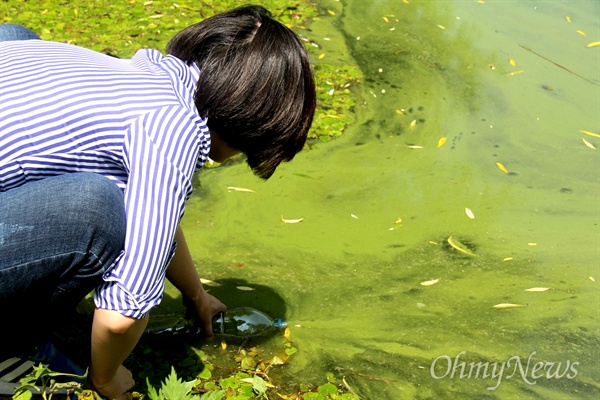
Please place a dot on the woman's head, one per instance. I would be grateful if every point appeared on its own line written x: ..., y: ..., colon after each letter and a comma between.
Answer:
x: 256, y: 86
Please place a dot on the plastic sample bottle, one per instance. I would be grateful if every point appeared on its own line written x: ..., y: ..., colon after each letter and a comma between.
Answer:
x: 240, y: 322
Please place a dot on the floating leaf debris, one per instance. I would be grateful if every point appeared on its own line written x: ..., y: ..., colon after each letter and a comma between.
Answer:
x: 502, y: 167
x: 429, y: 283
x: 208, y: 282
x: 469, y: 213
x: 588, y: 144
x: 239, y: 189
x: 508, y: 305
x: 245, y: 288
x: 537, y: 289
x: 441, y: 142
x: 459, y: 246
x: 590, y: 133
x: 291, y: 221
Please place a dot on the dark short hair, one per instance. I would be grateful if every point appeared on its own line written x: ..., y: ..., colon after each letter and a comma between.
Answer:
x: 256, y: 86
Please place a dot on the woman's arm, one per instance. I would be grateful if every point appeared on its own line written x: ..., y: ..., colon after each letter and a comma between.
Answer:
x: 183, y: 275
x: 113, y: 337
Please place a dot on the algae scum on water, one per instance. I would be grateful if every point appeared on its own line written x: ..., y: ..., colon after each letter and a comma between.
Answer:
x: 451, y: 233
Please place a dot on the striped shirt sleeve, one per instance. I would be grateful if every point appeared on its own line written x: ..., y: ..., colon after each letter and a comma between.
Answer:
x: 160, y: 155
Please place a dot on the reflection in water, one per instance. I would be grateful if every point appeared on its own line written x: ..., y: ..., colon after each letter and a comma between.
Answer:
x: 379, y: 204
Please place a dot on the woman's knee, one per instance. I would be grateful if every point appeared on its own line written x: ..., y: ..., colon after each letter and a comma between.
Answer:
x: 96, y: 204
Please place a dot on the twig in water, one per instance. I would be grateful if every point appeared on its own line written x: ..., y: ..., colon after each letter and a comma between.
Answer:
x: 559, y: 66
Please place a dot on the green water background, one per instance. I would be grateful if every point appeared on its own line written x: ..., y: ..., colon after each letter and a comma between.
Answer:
x: 348, y: 276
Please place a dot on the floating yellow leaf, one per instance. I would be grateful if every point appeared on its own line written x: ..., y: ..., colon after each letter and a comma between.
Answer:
x: 581, y: 32
x: 508, y: 305
x: 537, y: 289
x: 429, y: 283
x: 441, y: 27
x: 244, y: 288
x: 321, y: 56
x: 223, y: 345
x: 591, y: 278
x: 291, y: 221
x: 442, y: 141
x: 590, y: 133
x: 515, y: 73
x: 593, y: 44
x: 502, y: 167
x: 531, y: 244
x: 512, y: 62
x: 413, y: 123
x: 386, y: 19
x: 75, y: 11
x: 413, y: 146
x: 398, y: 221
x: 400, y: 112
x: 239, y: 189
x: 287, y: 333
x: 588, y: 144
x: 405, y: 1
x: 459, y: 246
x: 331, y: 12
x: 508, y: 259
x: 208, y: 282
x: 469, y: 213
x: 568, y: 18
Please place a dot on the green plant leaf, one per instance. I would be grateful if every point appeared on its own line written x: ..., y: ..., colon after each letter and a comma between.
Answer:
x: 328, y: 389
x: 313, y: 396
x: 216, y: 395
x: 152, y: 394
x: 174, y: 388
x: 259, y: 386
x: 22, y: 393
x: 205, y: 374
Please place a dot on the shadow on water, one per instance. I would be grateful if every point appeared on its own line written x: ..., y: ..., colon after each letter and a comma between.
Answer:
x: 373, y: 291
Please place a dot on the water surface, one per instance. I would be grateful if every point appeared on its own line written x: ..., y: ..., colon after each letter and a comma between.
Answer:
x: 379, y: 204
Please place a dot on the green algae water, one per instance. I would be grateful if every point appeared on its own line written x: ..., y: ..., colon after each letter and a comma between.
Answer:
x: 468, y: 126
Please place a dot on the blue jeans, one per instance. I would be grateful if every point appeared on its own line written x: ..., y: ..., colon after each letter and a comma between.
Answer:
x: 15, y: 32
x: 57, y: 237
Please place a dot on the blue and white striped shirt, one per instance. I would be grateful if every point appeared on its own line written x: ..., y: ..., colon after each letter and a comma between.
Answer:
x: 66, y: 109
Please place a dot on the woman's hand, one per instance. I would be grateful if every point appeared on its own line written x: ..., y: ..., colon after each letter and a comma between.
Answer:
x: 118, y: 387
x: 206, y: 307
